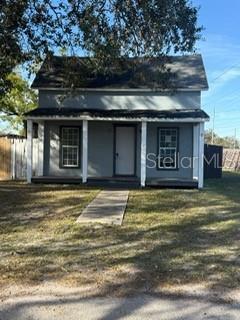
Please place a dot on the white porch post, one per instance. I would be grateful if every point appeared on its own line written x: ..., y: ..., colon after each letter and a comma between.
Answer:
x: 198, y: 153
x: 29, y: 150
x: 195, y: 151
x: 40, y: 148
x: 143, y: 152
x: 201, y: 155
x: 84, y: 151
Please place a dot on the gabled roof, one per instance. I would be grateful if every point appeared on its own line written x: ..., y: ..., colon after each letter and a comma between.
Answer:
x: 122, y: 113
x: 186, y: 73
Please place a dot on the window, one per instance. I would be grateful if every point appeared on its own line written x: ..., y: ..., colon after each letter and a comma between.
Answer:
x: 70, y: 147
x: 168, y: 144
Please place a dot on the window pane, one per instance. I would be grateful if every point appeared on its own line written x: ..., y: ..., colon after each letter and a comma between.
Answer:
x: 70, y: 156
x: 168, y: 148
x: 70, y: 146
x: 70, y: 136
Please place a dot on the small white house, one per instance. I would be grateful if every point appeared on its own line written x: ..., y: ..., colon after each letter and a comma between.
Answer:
x: 120, y: 128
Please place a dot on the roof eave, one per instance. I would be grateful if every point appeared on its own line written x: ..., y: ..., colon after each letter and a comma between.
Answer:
x: 120, y: 89
x: 137, y: 119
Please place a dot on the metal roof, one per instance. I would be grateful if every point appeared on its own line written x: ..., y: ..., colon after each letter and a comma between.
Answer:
x: 128, y: 114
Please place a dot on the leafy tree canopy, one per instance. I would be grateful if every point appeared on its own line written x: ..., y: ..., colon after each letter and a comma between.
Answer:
x: 18, y: 100
x: 105, y: 29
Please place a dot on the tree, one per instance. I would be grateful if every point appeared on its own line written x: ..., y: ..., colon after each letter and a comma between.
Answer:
x: 226, y: 142
x: 105, y: 29
x: 18, y: 100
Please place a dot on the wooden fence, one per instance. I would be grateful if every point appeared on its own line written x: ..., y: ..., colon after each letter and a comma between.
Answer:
x: 231, y: 159
x: 13, y: 158
x: 5, y: 158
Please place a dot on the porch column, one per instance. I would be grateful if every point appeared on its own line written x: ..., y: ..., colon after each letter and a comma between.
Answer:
x: 201, y: 155
x: 40, y: 148
x: 29, y: 150
x: 143, y: 152
x: 84, y: 151
x: 196, y: 151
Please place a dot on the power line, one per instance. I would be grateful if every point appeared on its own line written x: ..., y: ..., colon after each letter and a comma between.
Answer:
x: 226, y: 71
x: 233, y: 102
x: 233, y: 113
x: 226, y: 127
x: 222, y: 74
x: 233, y: 109
x: 230, y: 103
x: 229, y: 110
x: 220, y: 97
x: 226, y: 119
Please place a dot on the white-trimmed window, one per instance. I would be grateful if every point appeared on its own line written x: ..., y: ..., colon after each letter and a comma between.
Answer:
x: 168, y: 148
x: 70, y: 147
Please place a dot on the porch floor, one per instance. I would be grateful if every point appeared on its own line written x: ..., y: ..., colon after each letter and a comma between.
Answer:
x: 119, y: 182
x: 171, y: 183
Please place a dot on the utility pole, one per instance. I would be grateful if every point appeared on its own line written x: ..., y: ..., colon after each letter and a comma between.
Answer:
x: 213, y: 124
x: 235, y: 138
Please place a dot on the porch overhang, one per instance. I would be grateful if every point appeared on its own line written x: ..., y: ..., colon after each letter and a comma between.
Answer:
x: 186, y: 115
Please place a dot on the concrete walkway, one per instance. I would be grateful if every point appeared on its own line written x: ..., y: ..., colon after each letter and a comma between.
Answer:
x: 108, y: 207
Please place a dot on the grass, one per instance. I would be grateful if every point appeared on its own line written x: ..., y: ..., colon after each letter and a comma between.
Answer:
x: 169, y: 237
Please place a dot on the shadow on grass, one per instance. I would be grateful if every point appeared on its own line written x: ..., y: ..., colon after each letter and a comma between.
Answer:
x: 169, y: 237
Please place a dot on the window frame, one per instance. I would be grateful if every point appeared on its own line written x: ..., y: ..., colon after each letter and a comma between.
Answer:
x: 158, y: 148
x: 61, y: 165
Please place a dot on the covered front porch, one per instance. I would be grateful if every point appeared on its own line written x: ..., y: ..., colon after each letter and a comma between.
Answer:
x: 115, y: 151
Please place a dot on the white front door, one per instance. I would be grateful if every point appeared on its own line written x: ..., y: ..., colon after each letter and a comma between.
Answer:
x: 125, y: 150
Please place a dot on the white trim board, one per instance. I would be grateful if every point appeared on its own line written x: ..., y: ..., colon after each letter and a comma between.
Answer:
x: 84, y: 151
x: 29, y: 149
x: 143, y: 152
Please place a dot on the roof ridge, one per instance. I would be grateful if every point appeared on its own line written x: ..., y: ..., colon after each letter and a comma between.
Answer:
x: 131, y: 58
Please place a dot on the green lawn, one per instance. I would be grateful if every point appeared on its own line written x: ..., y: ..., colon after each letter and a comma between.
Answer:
x: 168, y: 237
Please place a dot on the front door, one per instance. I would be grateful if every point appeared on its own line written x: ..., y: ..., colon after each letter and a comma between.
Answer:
x: 125, y: 150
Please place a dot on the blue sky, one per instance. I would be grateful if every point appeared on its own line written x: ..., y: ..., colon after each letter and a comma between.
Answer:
x: 221, y: 54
